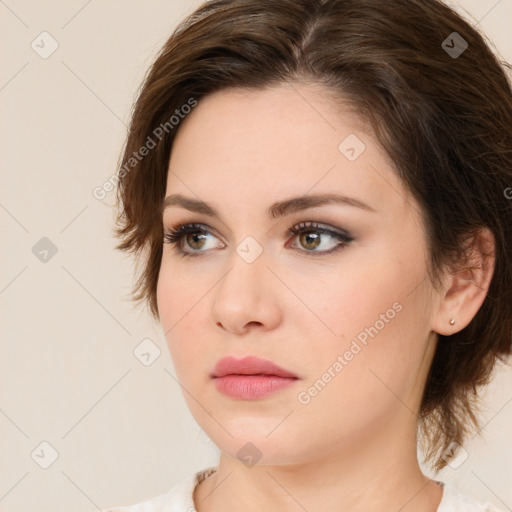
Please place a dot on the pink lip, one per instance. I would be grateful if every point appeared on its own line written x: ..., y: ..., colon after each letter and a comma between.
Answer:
x: 250, y: 378
x: 249, y: 365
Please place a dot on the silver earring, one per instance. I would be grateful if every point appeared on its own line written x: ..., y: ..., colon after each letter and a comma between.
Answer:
x: 452, y: 321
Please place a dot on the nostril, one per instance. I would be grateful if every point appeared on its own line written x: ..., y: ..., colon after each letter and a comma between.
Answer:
x: 256, y: 323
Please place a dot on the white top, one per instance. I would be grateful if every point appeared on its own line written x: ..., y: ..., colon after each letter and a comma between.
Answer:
x: 180, y: 499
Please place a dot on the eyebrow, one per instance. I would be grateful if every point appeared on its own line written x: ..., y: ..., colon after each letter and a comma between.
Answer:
x: 276, y: 210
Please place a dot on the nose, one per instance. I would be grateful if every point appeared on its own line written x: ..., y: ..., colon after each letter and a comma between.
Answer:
x: 247, y: 297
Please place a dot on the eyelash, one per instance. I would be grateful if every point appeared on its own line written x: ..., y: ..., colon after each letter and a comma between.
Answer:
x: 175, y: 236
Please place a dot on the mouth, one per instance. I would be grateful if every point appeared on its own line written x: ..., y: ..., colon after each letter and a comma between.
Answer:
x: 251, y: 387
x: 250, y: 378
x: 250, y: 365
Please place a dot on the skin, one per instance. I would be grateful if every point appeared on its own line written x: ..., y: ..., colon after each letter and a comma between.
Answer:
x: 353, y: 446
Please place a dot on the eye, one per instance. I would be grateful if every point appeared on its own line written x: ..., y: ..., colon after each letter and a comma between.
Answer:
x: 195, y: 235
x: 310, y: 236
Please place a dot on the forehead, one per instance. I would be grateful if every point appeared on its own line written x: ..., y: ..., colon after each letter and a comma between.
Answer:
x: 265, y: 145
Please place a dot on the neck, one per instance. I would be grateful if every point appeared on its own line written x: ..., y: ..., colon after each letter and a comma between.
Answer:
x: 381, y: 475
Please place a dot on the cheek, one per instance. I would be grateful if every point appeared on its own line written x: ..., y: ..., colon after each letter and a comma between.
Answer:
x: 376, y: 323
x: 352, y: 298
x: 179, y: 304
x: 354, y: 379
x: 180, y: 290
x: 184, y: 295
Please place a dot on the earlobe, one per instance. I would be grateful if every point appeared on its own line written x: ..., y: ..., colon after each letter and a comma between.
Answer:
x: 465, y: 289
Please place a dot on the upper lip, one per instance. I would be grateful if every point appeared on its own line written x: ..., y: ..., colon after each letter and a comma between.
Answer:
x: 249, y: 365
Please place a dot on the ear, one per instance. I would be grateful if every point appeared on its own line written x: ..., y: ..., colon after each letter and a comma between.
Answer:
x: 464, y: 291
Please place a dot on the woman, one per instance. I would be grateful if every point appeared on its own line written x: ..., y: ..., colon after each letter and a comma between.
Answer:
x: 319, y: 190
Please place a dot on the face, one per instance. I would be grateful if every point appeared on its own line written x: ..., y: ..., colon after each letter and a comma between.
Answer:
x: 344, y: 303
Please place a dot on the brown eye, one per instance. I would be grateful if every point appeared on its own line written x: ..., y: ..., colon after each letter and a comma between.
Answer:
x: 190, y: 239
x: 311, y: 236
x: 194, y: 240
x: 310, y: 240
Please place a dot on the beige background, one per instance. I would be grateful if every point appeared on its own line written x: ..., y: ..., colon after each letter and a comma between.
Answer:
x: 69, y: 376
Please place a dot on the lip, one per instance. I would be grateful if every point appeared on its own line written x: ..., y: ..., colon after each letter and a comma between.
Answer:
x: 249, y: 365
x: 250, y: 378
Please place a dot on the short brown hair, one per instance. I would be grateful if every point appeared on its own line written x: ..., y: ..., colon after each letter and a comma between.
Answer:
x: 444, y: 119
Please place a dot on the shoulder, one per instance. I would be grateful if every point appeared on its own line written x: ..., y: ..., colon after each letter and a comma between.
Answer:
x: 454, y: 500
x: 178, y: 499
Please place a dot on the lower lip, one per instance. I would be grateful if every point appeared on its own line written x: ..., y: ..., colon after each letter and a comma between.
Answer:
x: 251, y: 387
